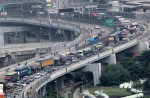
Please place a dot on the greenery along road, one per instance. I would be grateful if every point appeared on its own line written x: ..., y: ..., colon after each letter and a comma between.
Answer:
x: 130, y: 69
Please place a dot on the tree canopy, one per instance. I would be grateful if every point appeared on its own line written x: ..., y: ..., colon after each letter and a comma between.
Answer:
x: 128, y: 70
x: 114, y: 75
x: 133, y: 67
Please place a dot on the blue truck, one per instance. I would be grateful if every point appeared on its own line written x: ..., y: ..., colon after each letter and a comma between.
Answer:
x: 93, y: 39
x: 22, y: 71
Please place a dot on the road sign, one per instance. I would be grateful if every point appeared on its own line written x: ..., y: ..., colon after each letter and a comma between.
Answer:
x: 109, y: 22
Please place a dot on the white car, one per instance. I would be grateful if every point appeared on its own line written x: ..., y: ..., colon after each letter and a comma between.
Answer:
x: 74, y: 60
x: 43, y: 73
x: 24, y: 84
x: 96, y: 27
x: 38, y: 75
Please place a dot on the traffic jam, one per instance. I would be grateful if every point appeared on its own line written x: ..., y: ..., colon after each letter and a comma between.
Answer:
x: 23, y: 75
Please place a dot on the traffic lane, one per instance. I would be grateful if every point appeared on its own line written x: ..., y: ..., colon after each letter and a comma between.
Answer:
x: 12, y: 67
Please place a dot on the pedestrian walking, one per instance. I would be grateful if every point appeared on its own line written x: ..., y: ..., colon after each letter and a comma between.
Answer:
x: 18, y: 64
x: 25, y: 63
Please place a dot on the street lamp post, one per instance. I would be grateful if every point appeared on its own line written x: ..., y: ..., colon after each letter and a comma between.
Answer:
x: 49, y: 17
x: 56, y: 88
x: 69, y: 95
x: 41, y: 38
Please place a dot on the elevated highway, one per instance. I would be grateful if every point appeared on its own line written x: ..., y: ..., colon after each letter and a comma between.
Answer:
x: 44, y: 80
x: 64, y: 46
x: 41, y: 82
x: 73, y: 26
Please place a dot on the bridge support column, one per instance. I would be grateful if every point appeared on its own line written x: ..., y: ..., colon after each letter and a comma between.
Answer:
x: 139, y: 48
x: 21, y: 38
x: 60, y: 82
x: 44, y: 91
x: 38, y: 37
x: 1, y: 38
x: 111, y: 59
x: 95, y: 68
x: 143, y: 46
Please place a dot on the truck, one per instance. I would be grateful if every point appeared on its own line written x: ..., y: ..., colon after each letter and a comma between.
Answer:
x: 93, y: 39
x: 98, y: 47
x: 58, y: 61
x: 23, y: 71
x: 2, y: 94
x: 43, y: 62
x: 11, y: 77
x: 115, y: 37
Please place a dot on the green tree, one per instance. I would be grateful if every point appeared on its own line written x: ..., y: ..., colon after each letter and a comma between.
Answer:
x: 146, y: 64
x: 146, y: 68
x: 114, y: 75
x: 133, y: 67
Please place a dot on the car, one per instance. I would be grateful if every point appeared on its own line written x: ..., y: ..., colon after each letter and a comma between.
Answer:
x: 82, y: 57
x: 32, y: 79
x: 28, y: 81
x: 18, y: 83
x: 54, y: 68
x: 99, y: 34
x: 37, y: 75
x: 8, y: 96
x: 48, y: 70
x: 19, y: 88
x: 75, y: 60
x: 97, y: 27
x: 68, y: 63
x: 16, y: 95
x: 24, y: 84
x: 43, y: 73
x: 103, y: 31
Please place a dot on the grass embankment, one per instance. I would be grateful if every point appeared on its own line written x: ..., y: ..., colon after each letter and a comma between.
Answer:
x: 110, y: 91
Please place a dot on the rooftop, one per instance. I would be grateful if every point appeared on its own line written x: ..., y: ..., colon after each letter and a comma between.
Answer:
x: 11, y: 73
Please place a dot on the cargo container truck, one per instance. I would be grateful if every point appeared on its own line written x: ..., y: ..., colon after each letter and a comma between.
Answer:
x: 43, y: 62
x: 23, y: 71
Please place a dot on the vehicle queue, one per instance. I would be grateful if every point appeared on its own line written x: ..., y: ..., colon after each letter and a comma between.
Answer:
x: 24, y: 75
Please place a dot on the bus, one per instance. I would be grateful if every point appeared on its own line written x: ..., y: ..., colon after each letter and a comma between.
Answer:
x: 11, y: 77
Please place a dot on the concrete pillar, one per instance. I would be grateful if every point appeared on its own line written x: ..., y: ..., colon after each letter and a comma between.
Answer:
x: 95, y: 68
x: 50, y: 37
x: 6, y: 38
x: 20, y: 37
x: 38, y: 37
x: 44, y: 90
x: 60, y: 82
x: 111, y: 59
x: 1, y: 38
x: 143, y: 46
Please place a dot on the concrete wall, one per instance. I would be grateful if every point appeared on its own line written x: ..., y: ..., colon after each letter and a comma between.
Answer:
x: 4, y: 29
